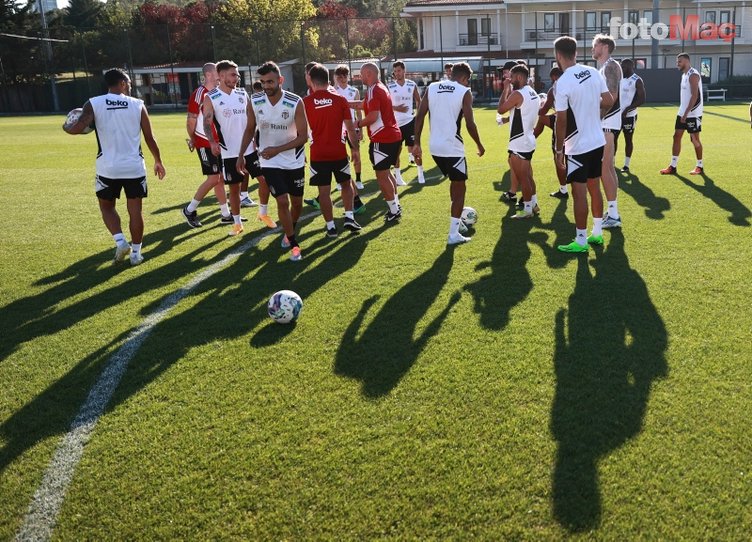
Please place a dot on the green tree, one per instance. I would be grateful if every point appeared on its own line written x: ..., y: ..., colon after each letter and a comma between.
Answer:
x: 83, y: 13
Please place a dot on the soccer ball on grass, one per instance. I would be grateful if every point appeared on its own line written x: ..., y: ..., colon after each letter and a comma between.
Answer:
x: 284, y: 306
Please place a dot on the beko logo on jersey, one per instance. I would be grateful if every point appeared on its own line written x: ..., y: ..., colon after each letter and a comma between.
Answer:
x: 116, y: 103
x: 583, y: 76
x: 323, y: 102
x: 446, y: 88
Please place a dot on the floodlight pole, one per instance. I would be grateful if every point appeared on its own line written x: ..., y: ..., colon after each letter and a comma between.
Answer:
x: 48, y: 51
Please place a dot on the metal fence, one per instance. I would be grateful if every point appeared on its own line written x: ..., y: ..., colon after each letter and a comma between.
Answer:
x: 61, y: 68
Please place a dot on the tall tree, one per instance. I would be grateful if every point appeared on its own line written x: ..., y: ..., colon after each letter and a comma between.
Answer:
x: 83, y: 14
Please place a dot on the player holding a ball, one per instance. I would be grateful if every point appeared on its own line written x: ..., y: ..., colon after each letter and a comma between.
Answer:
x: 119, y: 121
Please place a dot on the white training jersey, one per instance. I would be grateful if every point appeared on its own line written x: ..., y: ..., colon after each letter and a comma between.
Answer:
x: 612, y: 119
x: 627, y: 92
x: 117, y: 119
x: 578, y: 92
x: 445, y: 109
x: 349, y: 93
x: 523, y: 121
x: 230, y: 120
x: 276, y: 125
x: 403, y: 95
x: 686, y: 95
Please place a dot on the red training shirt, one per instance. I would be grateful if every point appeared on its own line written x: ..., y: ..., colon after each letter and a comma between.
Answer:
x: 385, y: 128
x: 326, y: 110
x: 196, y: 106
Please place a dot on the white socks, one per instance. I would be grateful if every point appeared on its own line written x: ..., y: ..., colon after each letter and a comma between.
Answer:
x: 236, y: 219
x: 330, y: 224
x: 699, y: 163
x: 597, y: 226
x: 674, y: 161
x: 393, y: 207
x: 119, y: 238
x: 135, y: 249
x: 349, y: 214
x: 563, y: 189
x: 263, y: 209
x: 613, y: 209
x: 581, y: 237
x: 454, y: 226
x: 243, y: 195
x: 627, y: 160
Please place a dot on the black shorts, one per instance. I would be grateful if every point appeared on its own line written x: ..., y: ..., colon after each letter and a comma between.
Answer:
x: 210, y: 164
x: 524, y: 155
x: 581, y: 167
x: 285, y: 181
x: 552, y: 120
x: 109, y: 189
x: 231, y: 170
x: 384, y: 155
x: 408, y: 133
x: 629, y: 124
x: 321, y: 172
x: 693, y: 124
x: 454, y: 168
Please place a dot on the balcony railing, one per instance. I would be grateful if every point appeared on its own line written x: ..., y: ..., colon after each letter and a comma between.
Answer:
x: 478, y: 39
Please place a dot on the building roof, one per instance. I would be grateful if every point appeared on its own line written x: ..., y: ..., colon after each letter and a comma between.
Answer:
x: 416, y: 3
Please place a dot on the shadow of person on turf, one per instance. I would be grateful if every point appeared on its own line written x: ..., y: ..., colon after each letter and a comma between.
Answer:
x: 381, y: 354
x: 233, y: 300
x: 507, y: 281
x: 38, y: 315
x: 655, y: 206
x: 740, y: 213
x: 610, y: 347
x: 563, y: 231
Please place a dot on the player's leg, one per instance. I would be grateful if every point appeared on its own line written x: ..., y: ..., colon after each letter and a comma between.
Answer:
x: 382, y: 157
x: 189, y: 211
x: 521, y: 169
x: 349, y: 194
x: 694, y: 137
x: 397, y: 175
x: 287, y: 188
x: 111, y: 220
x: 136, y: 226
x: 628, y: 149
x: 584, y: 171
x: 245, y: 199
x: 263, y: 214
x: 610, y: 181
x: 321, y: 178
x: 679, y: 128
x: 358, y: 167
x: 456, y: 170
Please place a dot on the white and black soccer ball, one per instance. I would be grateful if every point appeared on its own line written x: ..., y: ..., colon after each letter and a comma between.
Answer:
x: 73, y: 117
x: 469, y: 216
x: 284, y: 306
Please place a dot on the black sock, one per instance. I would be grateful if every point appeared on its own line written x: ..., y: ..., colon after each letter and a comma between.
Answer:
x: 294, y: 225
x: 293, y: 241
x: 357, y: 202
x: 357, y: 177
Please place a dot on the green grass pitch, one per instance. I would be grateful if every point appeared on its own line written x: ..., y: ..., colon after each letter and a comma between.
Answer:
x: 501, y: 390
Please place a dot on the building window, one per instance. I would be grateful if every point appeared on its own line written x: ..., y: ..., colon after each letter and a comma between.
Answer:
x: 710, y: 16
x: 634, y: 16
x: 549, y: 22
x: 590, y: 20
x: 725, y: 17
x: 648, y: 15
x: 605, y: 21
x: 706, y: 64
x: 723, y: 68
x: 485, y: 27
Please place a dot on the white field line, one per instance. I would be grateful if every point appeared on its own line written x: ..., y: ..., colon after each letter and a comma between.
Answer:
x: 45, y: 506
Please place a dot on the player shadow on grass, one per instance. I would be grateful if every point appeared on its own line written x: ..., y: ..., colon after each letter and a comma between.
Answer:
x: 231, y: 305
x: 563, y: 230
x: 35, y: 316
x: 740, y: 214
x: 655, y: 206
x: 610, y: 347
x: 508, y: 281
x: 382, y: 353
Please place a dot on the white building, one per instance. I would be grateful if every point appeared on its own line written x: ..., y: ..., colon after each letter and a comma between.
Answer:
x: 499, y: 31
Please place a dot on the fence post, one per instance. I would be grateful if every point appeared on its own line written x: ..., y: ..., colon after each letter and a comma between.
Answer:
x: 347, y: 42
x: 172, y: 66
x: 86, y: 66
x: 394, y: 38
x: 733, y: 40
x: 302, y: 42
x: 214, y: 44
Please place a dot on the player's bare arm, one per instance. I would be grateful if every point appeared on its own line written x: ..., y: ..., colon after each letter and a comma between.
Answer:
x: 515, y: 100
x: 151, y: 143
x: 208, y: 122
x: 248, y: 134
x: 694, y: 87
x: 358, y: 116
x: 416, y: 97
x: 548, y: 104
x: 353, y: 137
x: 561, y: 134
x: 369, y: 119
x: 472, y: 128
x: 301, y: 124
x: 84, y: 121
x: 613, y: 76
x: 420, y: 119
x: 190, y: 126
